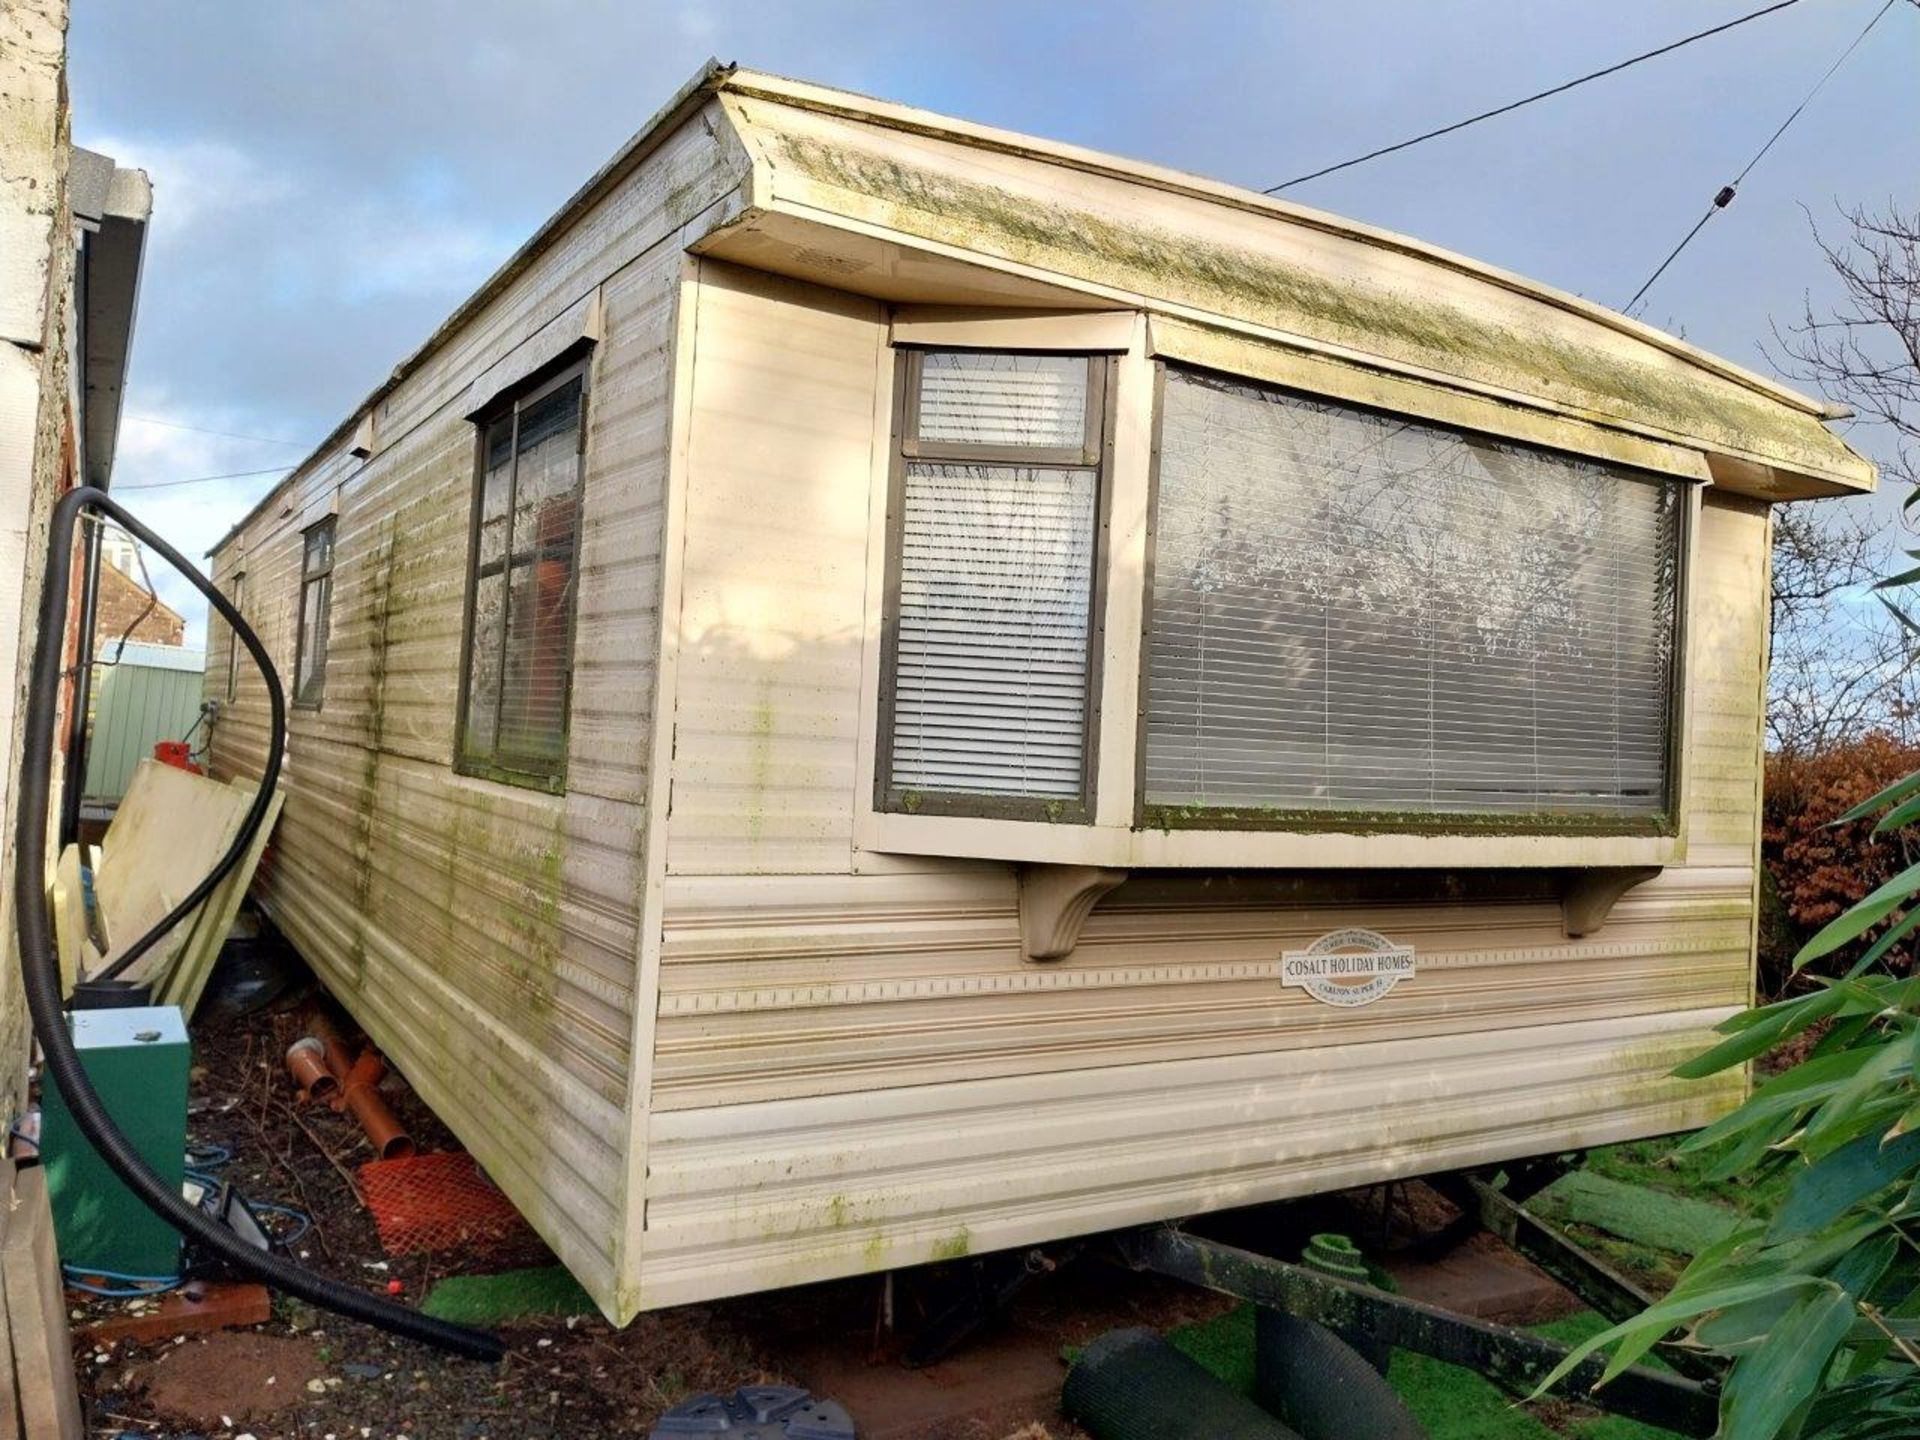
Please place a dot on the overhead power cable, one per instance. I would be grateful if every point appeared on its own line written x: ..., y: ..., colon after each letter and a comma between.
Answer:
x: 203, y: 479
x: 1724, y: 196
x: 223, y: 434
x: 1542, y: 95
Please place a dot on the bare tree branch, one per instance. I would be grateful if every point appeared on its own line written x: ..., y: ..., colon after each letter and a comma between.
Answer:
x: 1840, y: 664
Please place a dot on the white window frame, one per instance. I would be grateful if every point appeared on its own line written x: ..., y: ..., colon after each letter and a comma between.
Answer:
x: 1113, y: 835
x: 908, y: 448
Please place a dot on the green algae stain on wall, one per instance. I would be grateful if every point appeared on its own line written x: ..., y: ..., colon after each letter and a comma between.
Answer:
x: 760, y: 762
x: 379, y: 609
x: 956, y: 1246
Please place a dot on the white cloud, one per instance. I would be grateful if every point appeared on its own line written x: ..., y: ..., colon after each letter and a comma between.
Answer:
x: 190, y: 517
x: 377, y: 253
x: 195, y: 181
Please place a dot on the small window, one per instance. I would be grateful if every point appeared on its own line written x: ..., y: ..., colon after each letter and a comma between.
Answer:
x: 233, y: 640
x: 519, y: 646
x: 1363, y: 615
x: 316, y: 614
x: 990, y: 662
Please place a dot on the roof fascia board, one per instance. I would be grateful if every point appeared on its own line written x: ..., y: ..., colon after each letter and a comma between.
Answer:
x: 114, y: 254
x: 888, y: 115
x: 1845, y: 483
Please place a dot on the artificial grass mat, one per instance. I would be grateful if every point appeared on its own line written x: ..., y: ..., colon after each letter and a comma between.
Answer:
x: 510, y: 1295
x: 1453, y: 1403
x: 1666, y: 1221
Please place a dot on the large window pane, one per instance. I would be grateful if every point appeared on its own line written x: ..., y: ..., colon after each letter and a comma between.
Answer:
x: 990, y: 672
x: 519, y: 666
x: 316, y: 605
x: 540, y: 588
x: 1357, y: 613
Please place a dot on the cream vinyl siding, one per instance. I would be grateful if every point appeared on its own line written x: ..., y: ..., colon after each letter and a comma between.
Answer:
x: 782, y: 441
x: 856, y: 1070
x: 486, y: 935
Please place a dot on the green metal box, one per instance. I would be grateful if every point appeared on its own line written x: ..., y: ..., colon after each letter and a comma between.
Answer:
x: 138, y: 1061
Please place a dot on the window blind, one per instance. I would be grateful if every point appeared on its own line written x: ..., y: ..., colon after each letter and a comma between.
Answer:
x: 985, y: 397
x: 990, y: 670
x: 988, y: 683
x: 1358, y: 613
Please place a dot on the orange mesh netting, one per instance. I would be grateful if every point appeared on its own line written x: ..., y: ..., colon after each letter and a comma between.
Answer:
x: 435, y: 1203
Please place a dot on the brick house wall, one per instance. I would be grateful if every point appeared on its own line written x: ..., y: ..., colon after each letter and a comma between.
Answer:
x: 120, y: 600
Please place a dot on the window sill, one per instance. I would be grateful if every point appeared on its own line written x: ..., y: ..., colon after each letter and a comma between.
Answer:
x: 1115, y: 846
x: 519, y: 779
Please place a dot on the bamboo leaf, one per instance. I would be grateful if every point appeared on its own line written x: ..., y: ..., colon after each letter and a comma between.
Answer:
x: 1636, y: 1336
x: 1898, y: 790
x: 1860, y: 1269
x: 1862, y: 916
x: 1888, y: 1063
x: 1900, y: 615
x: 1905, y: 813
x: 1895, y: 933
x: 1757, y: 1039
x: 1808, y: 1083
x: 1768, y: 1385
x: 1832, y: 1186
x: 1894, y: 582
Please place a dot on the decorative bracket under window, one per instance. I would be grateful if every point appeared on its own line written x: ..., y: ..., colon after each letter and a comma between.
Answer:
x: 1055, y: 901
x: 1590, y: 895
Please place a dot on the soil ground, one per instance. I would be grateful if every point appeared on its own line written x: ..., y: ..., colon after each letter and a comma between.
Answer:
x: 314, y: 1376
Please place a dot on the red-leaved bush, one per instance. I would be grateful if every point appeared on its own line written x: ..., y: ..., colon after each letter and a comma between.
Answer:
x: 1813, y: 872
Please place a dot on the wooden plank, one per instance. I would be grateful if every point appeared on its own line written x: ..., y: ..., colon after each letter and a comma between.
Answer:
x: 10, y: 1423
x: 168, y: 832
x: 48, y: 1398
x: 188, y: 979
x: 69, y: 916
x: 208, y: 1307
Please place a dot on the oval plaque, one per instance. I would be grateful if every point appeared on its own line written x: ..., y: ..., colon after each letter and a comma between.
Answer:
x: 1347, y: 967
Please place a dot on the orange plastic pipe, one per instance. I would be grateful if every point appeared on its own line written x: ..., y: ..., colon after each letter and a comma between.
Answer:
x: 360, y: 1093
x: 307, y: 1063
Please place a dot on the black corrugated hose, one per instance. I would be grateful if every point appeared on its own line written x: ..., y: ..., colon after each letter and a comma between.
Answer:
x: 40, y: 965
x: 1322, y: 1386
x: 1133, y: 1385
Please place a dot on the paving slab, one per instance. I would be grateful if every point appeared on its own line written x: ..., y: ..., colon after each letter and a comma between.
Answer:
x: 1486, y: 1280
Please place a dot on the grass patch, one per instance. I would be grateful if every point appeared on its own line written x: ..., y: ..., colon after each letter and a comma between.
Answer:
x: 1658, y: 1165
x: 510, y: 1295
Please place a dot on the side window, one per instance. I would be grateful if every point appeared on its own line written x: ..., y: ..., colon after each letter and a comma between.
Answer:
x: 521, y: 591
x: 990, y: 667
x: 316, y: 614
x: 233, y: 641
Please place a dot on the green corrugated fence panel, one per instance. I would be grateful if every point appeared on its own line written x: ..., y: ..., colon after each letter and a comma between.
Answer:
x: 136, y: 706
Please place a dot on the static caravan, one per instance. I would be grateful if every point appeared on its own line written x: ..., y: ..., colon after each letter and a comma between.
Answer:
x: 889, y: 689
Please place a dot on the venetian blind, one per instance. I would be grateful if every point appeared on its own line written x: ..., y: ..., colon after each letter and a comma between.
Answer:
x: 1357, y: 613
x: 995, y: 582
x: 985, y: 397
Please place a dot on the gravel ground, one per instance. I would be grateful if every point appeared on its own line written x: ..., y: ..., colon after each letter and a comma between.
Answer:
x: 311, y: 1374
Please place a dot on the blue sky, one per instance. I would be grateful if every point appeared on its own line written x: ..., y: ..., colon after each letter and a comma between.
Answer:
x: 330, y: 180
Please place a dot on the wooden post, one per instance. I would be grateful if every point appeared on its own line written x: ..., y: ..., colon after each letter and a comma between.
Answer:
x: 41, y: 1397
